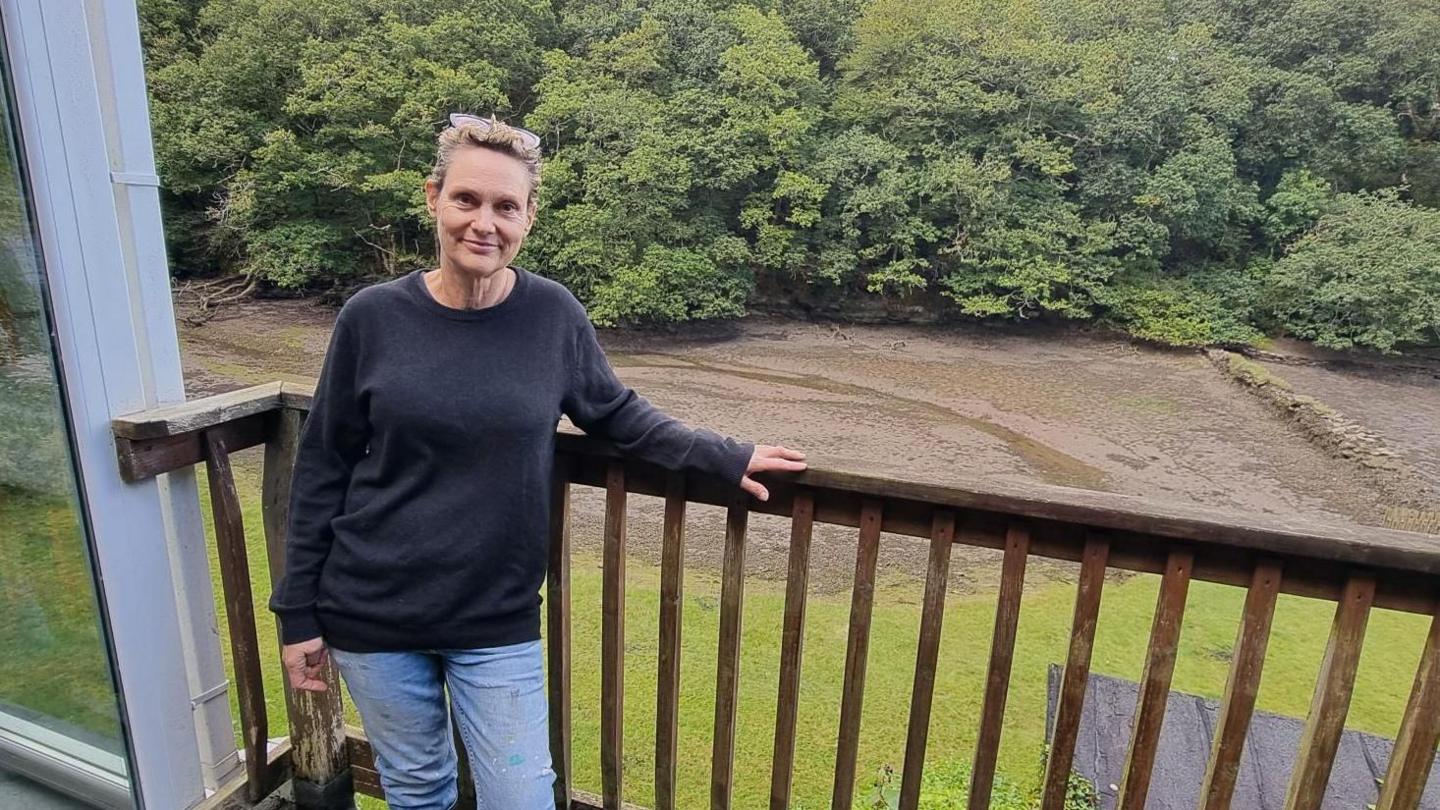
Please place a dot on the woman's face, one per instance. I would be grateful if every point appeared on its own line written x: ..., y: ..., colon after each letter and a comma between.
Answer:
x: 482, y: 213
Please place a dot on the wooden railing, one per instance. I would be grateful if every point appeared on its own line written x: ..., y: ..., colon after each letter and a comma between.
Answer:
x: 1356, y: 568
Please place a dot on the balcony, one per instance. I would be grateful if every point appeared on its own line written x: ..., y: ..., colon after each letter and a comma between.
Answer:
x: 1359, y: 570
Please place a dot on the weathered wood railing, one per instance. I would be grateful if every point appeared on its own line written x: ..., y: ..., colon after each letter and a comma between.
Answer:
x: 1356, y: 568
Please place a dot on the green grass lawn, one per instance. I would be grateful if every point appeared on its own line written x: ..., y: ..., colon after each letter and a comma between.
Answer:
x: 1301, y: 625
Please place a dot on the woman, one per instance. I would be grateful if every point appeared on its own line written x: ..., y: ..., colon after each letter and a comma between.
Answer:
x: 419, y: 508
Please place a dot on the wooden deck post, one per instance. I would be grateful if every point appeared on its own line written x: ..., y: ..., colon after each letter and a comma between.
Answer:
x: 667, y: 691
x: 320, y: 767
x: 1093, y: 561
x: 1414, y: 751
x: 1155, y: 680
x: 1238, y: 705
x: 240, y: 613
x: 792, y: 642
x: 557, y: 629
x: 857, y: 650
x: 922, y: 692
x: 1331, y: 702
x: 612, y: 642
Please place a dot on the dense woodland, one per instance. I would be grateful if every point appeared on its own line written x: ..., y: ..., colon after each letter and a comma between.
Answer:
x: 1206, y: 171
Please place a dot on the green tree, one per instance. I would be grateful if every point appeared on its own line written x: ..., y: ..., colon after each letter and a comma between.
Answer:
x: 677, y: 169
x: 1367, y: 274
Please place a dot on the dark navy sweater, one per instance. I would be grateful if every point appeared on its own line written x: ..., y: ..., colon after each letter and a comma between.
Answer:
x: 419, y: 508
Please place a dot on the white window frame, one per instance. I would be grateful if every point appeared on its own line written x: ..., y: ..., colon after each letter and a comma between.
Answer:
x: 81, y: 102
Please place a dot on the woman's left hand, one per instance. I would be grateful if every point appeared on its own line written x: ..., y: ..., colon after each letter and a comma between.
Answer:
x: 766, y: 458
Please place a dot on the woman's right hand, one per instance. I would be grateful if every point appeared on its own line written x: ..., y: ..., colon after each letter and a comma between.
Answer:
x: 305, y: 664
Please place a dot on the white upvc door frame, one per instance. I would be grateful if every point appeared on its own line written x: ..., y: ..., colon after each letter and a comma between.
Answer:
x: 77, y: 70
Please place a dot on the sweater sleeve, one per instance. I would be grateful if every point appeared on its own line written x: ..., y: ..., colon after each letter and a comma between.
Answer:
x: 332, y: 442
x: 599, y: 404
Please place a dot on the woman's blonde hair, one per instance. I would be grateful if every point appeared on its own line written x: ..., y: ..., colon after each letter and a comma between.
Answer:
x: 494, y: 135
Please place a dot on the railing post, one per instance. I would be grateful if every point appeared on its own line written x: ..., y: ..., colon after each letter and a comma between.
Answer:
x: 612, y: 642
x: 240, y: 613
x: 667, y: 693
x: 1077, y: 673
x: 1002, y: 655
x: 1414, y: 751
x: 320, y: 767
x: 802, y: 522
x: 727, y: 659
x: 937, y: 578
x: 1242, y: 687
x: 557, y: 638
x: 1154, y: 694
x: 862, y: 602
x: 1333, y: 688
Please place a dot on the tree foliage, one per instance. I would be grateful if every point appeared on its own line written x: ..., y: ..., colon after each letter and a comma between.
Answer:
x: 1367, y: 274
x: 1190, y: 172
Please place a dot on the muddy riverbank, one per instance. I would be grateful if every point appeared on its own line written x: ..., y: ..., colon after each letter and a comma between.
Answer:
x: 942, y: 404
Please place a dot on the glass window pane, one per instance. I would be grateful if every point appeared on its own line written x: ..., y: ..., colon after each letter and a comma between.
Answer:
x: 60, y: 732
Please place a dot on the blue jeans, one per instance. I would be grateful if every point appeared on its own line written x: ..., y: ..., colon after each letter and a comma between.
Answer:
x: 498, y: 697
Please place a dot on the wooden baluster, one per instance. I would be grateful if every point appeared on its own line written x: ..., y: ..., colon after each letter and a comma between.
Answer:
x: 792, y: 639
x: 937, y: 575
x: 1414, y: 751
x: 557, y: 628
x: 1238, y: 705
x: 861, y: 602
x: 1002, y: 653
x: 612, y: 652
x: 1155, y: 680
x: 667, y: 708
x: 240, y: 615
x: 1331, y: 701
x: 318, y: 760
x: 1077, y: 672
x: 727, y: 667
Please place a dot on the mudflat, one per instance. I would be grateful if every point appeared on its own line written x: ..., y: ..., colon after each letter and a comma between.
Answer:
x: 941, y: 404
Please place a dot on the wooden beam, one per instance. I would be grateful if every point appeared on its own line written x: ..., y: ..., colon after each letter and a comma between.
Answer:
x: 557, y: 629
x: 1077, y: 673
x: 1238, y: 705
x: 1155, y: 680
x: 612, y: 643
x: 231, y: 794
x: 1132, y: 551
x: 1333, y: 689
x: 198, y: 414
x: 1203, y: 527
x: 672, y: 595
x: 240, y: 615
x: 1002, y: 653
x: 1414, y: 751
x: 140, y: 459
x: 927, y: 653
x: 857, y: 650
x: 727, y: 659
x: 316, y: 718
x: 1368, y: 546
x: 792, y: 644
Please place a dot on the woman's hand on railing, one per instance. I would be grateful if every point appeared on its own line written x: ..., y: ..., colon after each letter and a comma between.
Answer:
x: 305, y: 664
x: 768, y: 457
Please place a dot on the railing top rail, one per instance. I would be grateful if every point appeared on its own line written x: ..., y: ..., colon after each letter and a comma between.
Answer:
x: 1295, y: 537
x: 205, y: 412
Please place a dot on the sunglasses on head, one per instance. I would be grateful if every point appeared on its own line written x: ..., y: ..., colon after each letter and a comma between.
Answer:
x: 457, y: 120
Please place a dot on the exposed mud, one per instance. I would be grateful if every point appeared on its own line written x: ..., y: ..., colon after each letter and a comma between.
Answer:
x: 931, y: 403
